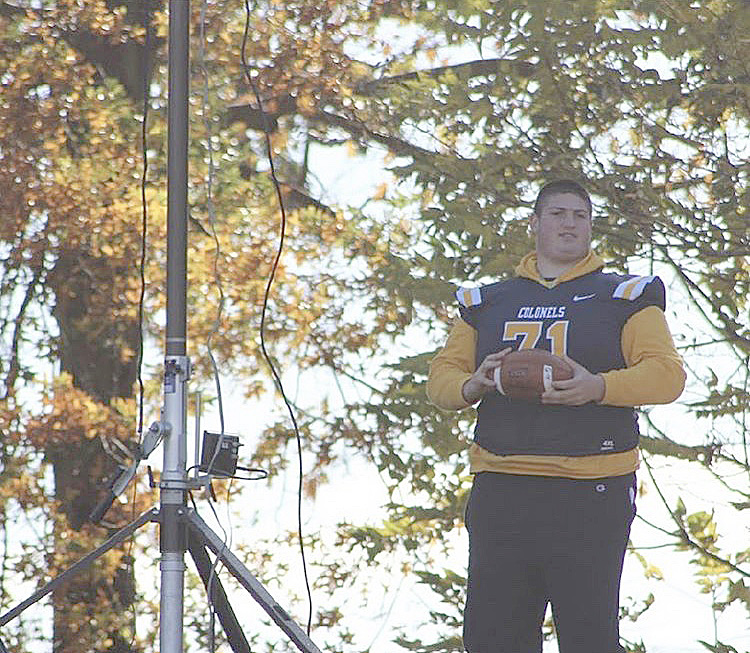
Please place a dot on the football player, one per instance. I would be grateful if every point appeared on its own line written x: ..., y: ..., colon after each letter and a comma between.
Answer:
x: 553, y: 495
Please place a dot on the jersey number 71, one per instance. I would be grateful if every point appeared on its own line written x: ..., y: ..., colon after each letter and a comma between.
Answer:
x: 530, y: 333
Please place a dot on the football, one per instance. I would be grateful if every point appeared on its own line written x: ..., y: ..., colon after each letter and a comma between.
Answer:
x: 527, y: 373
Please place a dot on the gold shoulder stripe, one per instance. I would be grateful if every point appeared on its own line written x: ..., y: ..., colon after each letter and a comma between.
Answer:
x: 632, y: 289
x: 469, y: 297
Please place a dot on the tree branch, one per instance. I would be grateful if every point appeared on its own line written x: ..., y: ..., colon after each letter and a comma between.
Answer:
x: 730, y: 328
x: 466, y: 70
x: 685, y: 536
x: 15, y: 367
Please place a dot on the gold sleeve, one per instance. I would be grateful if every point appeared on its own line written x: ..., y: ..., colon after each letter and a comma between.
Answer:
x: 654, y: 372
x: 451, y: 368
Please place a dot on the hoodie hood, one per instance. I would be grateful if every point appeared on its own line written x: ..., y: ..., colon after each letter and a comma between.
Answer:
x: 527, y: 268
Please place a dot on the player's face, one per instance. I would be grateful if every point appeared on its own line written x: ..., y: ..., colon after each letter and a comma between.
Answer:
x: 563, y: 230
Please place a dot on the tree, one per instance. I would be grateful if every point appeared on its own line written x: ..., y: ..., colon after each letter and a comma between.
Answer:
x: 477, y: 102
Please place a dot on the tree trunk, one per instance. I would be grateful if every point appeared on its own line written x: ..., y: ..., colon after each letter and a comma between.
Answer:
x: 99, y: 338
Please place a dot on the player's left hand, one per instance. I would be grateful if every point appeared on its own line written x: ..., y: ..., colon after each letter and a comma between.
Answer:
x: 582, y: 388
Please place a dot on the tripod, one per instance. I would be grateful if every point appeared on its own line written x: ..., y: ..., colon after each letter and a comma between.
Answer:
x: 200, y: 538
x: 189, y: 534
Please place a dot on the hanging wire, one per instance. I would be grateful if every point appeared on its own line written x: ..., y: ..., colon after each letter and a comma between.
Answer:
x: 266, y: 297
x: 142, y: 270
x: 144, y: 216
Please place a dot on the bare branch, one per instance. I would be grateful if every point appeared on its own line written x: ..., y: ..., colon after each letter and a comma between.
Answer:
x: 684, y: 536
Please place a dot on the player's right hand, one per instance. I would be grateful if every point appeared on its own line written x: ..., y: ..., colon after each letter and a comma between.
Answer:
x: 483, y: 379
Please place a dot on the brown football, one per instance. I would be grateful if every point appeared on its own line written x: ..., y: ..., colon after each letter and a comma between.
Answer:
x: 527, y: 373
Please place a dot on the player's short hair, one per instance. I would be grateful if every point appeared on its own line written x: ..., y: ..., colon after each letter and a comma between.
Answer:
x: 558, y: 187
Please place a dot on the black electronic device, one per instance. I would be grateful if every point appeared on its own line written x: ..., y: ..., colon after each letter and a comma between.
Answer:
x: 221, y: 463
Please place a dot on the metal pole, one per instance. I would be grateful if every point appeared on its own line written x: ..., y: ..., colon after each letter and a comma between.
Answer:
x: 173, y: 537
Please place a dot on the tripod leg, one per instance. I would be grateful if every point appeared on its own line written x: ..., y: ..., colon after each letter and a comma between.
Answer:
x: 83, y: 563
x: 251, y: 584
x: 217, y: 595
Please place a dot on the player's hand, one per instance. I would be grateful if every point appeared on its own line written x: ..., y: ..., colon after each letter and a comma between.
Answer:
x: 582, y: 388
x: 483, y: 379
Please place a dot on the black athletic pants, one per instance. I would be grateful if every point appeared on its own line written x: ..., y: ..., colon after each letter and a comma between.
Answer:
x: 537, y: 540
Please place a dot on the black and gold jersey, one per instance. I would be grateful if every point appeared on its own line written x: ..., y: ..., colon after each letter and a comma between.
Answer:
x: 582, y: 318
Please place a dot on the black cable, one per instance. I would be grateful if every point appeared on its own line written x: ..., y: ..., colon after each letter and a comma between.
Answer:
x: 142, y: 271
x: 256, y: 474
x: 271, y: 277
x: 144, y: 217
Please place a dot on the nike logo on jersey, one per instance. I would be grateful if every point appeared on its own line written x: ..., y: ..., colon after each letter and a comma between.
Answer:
x: 580, y: 298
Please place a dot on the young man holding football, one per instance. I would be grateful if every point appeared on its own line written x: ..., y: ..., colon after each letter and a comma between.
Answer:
x: 554, y: 482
